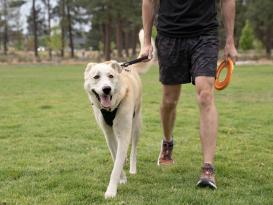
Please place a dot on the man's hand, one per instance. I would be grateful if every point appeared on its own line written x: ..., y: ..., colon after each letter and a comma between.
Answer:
x: 230, y: 50
x: 147, y: 51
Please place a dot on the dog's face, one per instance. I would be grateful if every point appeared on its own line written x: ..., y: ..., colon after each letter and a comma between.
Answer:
x: 102, y: 83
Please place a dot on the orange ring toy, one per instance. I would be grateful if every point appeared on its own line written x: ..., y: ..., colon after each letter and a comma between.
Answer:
x: 220, y: 85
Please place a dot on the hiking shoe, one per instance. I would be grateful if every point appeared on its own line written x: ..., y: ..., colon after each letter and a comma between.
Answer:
x: 207, y: 178
x: 165, y: 155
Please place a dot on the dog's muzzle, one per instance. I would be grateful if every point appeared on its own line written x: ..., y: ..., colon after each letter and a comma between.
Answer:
x: 104, y: 99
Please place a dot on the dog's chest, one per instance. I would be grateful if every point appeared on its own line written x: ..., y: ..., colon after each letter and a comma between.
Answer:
x: 109, y: 116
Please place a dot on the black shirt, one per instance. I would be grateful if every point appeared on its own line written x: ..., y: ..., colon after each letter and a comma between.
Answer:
x: 187, y: 18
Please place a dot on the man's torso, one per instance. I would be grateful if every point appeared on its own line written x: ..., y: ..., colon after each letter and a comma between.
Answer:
x: 187, y: 18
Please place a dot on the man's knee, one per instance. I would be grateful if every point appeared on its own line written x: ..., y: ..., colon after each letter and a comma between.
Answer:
x: 205, y: 98
x: 169, y: 103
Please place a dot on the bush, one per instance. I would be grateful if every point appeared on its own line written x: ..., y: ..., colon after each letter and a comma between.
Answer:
x: 247, y: 37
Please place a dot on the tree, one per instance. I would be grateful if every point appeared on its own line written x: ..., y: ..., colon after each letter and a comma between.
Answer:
x: 5, y: 25
x: 56, y: 40
x: 34, y: 24
x: 9, y: 22
x: 62, y: 25
x: 70, y: 13
x: 16, y: 36
x: 49, y: 17
x: 93, y: 37
x: 240, y: 20
x: 247, y: 37
x: 70, y: 27
x: 102, y: 18
x: 261, y: 17
x: 117, y: 21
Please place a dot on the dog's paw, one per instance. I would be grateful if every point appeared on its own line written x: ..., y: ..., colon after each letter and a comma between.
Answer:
x: 110, y: 193
x: 133, y: 171
x: 123, y: 180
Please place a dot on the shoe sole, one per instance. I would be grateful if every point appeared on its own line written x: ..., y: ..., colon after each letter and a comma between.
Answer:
x: 206, y: 183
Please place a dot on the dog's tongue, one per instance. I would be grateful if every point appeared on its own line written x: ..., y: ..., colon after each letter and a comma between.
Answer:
x: 105, y: 100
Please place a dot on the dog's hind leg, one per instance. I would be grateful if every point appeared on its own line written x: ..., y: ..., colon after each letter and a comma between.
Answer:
x: 135, y: 136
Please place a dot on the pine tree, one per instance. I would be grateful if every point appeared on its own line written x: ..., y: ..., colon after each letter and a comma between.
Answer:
x: 261, y: 17
x: 247, y: 37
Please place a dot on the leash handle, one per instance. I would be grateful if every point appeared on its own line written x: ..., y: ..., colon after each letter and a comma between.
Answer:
x: 138, y: 60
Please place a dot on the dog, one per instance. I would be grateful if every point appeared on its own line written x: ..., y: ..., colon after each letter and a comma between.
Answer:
x: 115, y: 95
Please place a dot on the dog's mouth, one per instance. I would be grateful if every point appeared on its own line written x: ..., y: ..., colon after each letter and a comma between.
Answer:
x: 105, y: 100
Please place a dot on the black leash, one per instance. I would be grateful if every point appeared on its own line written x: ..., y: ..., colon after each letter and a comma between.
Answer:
x: 138, y: 60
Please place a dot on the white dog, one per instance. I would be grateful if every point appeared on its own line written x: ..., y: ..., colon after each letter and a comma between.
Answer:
x: 115, y: 95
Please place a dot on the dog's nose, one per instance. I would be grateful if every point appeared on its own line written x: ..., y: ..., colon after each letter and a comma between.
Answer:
x: 106, y: 90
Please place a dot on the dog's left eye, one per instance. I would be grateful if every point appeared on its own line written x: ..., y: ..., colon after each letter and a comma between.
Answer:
x: 110, y: 76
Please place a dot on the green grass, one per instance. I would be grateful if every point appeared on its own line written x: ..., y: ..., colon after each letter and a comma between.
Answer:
x: 52, y: 151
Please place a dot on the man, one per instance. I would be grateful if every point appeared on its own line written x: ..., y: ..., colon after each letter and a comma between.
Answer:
x: 187, y: 47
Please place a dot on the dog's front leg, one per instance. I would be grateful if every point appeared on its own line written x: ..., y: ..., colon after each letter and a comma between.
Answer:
x: 123, y: 144
x: 112, y: 145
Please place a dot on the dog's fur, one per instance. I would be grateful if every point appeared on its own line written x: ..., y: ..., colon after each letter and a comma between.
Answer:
x: 125, y: 96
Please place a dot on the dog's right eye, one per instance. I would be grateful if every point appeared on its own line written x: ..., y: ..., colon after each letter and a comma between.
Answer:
x: 96, y: 77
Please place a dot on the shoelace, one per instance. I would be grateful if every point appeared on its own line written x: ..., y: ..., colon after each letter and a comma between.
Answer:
x: 167, y: 150
x: 208, y: 170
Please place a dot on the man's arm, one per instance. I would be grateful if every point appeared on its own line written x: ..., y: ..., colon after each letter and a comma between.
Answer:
x: 148, y: 14
x: 228, y: 10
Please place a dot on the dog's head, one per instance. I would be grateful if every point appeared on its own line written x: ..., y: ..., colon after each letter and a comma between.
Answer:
x: 102, y: 83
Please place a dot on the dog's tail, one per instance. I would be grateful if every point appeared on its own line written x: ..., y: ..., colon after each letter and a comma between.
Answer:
x: 143, y: 67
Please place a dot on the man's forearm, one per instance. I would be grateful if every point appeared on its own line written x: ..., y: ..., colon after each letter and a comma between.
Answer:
x: 228, y: 11
x: 148, y: 13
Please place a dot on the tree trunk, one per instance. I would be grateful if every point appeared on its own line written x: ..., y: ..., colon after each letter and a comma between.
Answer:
x: 62, y: 27
x: 268, y: 43
x: 102, y: 39
x: 35, y: 29
x: 5, y: 34
x: 70, y: 31
x: 268, y: 50
x: 126, y: 35
x: 49, y: 28
x: 134, y: 41
x: 107, y: 40
x: 119, y: 37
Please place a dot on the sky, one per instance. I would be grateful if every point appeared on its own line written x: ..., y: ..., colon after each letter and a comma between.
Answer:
x: 25, y: 11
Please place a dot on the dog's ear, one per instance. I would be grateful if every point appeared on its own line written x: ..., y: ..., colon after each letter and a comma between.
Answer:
x: 116, y: 66
x: 88, y: 68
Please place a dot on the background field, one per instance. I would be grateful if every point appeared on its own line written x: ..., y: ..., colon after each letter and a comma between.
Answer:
x: 52, y: 152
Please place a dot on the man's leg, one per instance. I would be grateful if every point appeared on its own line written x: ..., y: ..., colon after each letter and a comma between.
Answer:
x: 208, y: 127
x: 208, y: 116
x: 169, y: 102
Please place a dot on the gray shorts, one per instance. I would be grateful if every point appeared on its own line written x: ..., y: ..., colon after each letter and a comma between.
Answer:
x: 181, y: 60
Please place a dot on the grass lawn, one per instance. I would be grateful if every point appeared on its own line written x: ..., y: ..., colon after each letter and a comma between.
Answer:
x: 52, y: 151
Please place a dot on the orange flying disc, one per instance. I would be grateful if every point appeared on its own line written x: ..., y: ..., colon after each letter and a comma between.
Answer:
x: 220, y: 85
